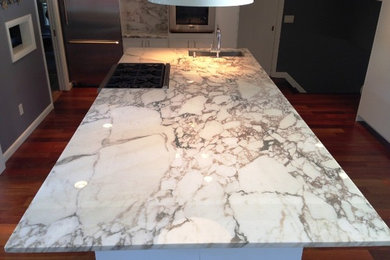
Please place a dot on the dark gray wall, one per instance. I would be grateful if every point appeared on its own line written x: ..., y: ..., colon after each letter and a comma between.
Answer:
x: 327, y: 48
x: 20, y: 82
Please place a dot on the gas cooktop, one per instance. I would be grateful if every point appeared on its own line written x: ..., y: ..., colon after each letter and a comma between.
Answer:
x: 137, y: 75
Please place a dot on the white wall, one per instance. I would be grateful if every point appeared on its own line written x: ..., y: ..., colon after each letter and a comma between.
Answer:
x: 227, y: 19
x: 255, y: 30
x: 374, y: 106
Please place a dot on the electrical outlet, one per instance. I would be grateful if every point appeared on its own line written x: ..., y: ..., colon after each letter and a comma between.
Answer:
x: 21, y: 110
x: 289, y: 18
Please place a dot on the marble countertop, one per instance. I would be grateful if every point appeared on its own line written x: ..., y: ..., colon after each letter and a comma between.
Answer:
x: 220, y: 159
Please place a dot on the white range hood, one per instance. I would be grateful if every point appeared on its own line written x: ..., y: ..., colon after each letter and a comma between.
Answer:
x: 210, y: 3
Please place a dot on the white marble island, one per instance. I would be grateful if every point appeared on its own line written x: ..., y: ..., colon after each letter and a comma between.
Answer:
x: 218, y: 160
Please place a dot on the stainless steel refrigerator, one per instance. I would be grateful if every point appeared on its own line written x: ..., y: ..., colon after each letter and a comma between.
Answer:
x: 93, y: 40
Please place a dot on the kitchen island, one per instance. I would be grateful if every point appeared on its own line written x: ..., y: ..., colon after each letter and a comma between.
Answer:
x: 219, y: 161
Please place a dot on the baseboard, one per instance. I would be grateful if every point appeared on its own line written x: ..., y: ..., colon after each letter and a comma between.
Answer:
x: 359, y: 118
x: 12, y: 149
x: 289, y: 79
x: 373, y: 131
x: 69, y: 86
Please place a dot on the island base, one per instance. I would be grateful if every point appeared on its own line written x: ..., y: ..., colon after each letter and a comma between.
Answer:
x: 204, y: 254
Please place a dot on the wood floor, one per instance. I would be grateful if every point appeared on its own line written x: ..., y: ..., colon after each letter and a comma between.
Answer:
x: 365, y: 157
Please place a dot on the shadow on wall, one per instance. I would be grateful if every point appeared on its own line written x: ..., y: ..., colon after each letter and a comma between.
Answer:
x: 327, y: 48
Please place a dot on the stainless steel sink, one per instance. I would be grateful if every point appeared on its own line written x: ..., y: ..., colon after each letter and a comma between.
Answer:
x: 226, y: 53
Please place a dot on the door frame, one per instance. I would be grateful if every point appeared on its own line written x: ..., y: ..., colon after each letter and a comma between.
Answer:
x: 278, y: 29
x: 275, y: 51
x: 58, y: 45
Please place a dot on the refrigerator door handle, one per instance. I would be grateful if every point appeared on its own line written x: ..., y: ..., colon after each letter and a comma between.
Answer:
x: 66, y: 11
x: 93, y: 42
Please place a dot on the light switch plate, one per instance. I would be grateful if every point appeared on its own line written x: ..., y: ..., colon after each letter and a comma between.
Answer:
x: 21, y: 110
x: 2, y: 161
x: 288, y: 19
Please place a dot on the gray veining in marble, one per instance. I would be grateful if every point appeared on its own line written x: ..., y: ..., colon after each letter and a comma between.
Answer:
x: 143, y: 19
x: 220, y: 159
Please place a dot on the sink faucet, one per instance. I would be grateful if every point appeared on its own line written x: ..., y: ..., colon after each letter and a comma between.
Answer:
x: 218, y: 35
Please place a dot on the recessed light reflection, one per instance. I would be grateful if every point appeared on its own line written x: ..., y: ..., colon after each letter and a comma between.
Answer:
x: 208, y: 179
x: 177, y: 155
x: 108, y: 125
x: 343, y: 175
x: 80, y: 184
x: 320, y: 145
x: 190, y: 81
x: 204, y: 155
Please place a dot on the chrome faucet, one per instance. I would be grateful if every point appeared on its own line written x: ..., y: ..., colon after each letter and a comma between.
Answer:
x: 218, y: 35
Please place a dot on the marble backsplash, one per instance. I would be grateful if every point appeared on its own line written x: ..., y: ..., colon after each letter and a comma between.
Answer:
x: 140, y: 18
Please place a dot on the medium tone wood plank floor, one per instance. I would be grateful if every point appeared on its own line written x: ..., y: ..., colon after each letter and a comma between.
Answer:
x: 365, y: 157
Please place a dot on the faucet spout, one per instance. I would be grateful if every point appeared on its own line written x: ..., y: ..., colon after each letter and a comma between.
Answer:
x: 218, y: 36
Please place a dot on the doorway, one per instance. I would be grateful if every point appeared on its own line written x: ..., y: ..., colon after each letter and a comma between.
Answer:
x: 46, y: 35
x: 259, y: 30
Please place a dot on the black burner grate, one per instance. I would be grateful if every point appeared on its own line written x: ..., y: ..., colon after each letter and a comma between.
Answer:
x: 138, y: 75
